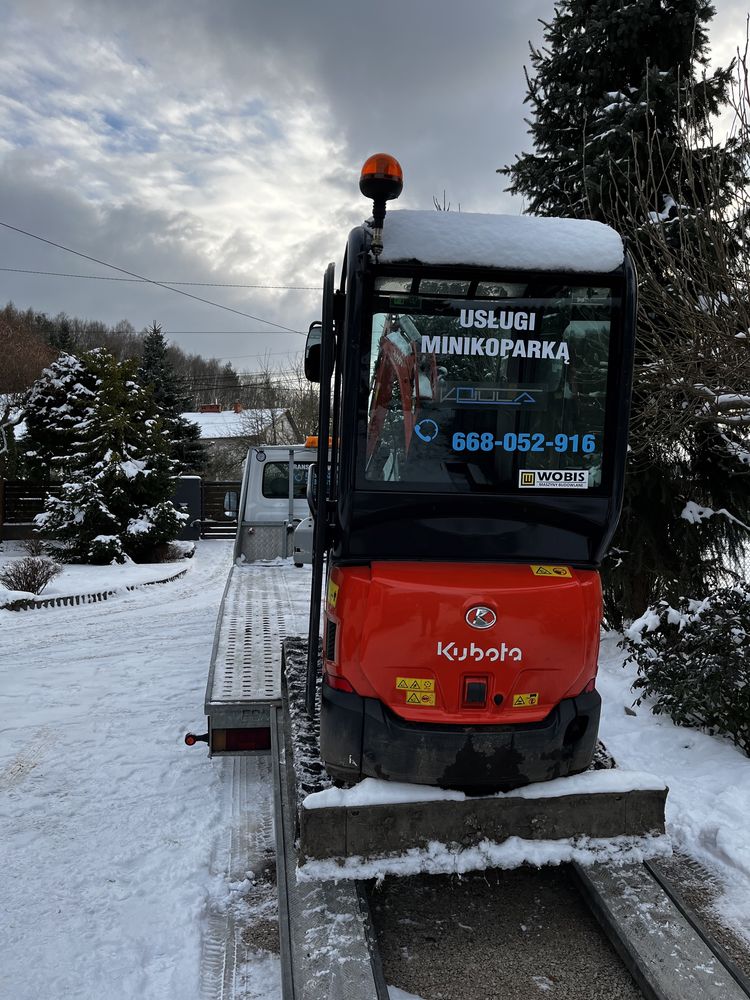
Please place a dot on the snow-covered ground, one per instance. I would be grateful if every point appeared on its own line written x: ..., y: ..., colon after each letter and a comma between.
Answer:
x: 109, y: 822
x: 111, y: 826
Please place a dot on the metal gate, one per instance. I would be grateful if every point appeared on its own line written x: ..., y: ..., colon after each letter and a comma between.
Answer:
x: 219, y: 505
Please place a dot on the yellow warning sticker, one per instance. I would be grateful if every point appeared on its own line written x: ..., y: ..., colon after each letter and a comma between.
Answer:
x: 525, y: 700
x: 333, y: 593
x: 415, y: 684
x: 558, y: 571
x: 420, y: 698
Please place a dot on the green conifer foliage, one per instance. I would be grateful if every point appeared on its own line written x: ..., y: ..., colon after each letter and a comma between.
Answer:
x: 621, y: 105
x: 54, y: 407
x: 171, y: 395
x: 610, y: 76
x: 114, y: 458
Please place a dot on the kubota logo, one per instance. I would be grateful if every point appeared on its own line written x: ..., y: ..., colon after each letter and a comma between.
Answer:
x: 480, y: 616
x: 456, y: 654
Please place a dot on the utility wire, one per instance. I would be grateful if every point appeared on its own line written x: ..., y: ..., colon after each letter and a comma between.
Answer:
x: 150, y: 281
x: 205, y: 284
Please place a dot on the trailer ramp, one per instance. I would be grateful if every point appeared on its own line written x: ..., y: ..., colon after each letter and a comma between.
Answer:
x: 666, y: 949
x: 328, y: 949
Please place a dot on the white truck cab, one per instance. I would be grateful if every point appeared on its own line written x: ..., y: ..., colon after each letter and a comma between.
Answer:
x: 273, y: 500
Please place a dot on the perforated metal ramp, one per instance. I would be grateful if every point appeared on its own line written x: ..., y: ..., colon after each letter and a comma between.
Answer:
x: 244, y: 679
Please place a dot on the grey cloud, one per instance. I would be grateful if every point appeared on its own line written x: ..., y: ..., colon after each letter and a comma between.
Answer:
x: 437, y: 83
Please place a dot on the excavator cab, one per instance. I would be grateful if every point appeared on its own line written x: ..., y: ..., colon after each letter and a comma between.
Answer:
x: 475, y: 380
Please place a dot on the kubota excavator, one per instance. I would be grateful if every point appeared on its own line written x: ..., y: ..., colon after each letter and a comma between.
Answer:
x: 475, y: 380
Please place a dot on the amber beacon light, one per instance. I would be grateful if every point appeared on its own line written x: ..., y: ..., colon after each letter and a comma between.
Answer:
x: 382, y: 179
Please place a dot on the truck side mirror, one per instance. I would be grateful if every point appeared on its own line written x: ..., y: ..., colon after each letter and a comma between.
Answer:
x: 313, y: 352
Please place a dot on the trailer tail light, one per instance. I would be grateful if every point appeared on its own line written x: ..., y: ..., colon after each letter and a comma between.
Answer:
x: 474, y: 692
x: 237, y: 740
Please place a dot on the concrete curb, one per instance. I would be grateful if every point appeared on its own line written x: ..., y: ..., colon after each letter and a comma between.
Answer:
x: 76, y: 599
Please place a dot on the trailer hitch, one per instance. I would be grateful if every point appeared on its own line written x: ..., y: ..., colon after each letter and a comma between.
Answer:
x: 192, y: 738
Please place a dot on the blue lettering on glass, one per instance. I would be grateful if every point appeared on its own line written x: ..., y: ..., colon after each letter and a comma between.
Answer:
x: 473, y: 441
x: 426, y: 430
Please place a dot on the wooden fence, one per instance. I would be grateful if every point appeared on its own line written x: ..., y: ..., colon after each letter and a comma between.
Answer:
x: 21, y: 501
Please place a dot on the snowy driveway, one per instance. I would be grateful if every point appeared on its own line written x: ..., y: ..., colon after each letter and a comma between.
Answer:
x: 108, y: 820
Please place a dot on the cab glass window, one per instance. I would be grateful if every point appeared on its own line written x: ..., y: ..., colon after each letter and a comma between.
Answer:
x: 276, y: 480
x: 503, y: 394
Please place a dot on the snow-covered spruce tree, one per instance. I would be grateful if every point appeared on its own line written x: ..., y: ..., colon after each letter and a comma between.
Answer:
x: 171, y: 395
x: 54, y: 408
x: 117, y: 470
x: 621, y: 107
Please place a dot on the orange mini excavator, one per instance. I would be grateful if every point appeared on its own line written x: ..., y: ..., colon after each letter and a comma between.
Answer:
x: 475, y: 379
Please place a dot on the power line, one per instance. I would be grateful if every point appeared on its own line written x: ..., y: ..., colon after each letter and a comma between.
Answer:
x: 248, y: 357
x: 150, y: 281
x: 204, y: 284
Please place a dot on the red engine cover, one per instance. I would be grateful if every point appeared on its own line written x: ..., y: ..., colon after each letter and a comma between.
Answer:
x: 403, y: 635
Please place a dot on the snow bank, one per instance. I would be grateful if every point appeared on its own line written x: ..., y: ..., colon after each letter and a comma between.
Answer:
x: 503, y: 241
x: 75, y: 581
x: 9, y: 596
x: 442, y: 859
x: 372, y: 791
x: 709, y: 781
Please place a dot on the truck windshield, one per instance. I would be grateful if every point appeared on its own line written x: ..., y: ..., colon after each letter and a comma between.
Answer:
x: 504, y: 391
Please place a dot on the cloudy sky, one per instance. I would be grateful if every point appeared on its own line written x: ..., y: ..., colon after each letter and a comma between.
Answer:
x: 221, y: 142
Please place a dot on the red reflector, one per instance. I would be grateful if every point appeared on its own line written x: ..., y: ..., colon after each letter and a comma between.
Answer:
x: 338, y: 683
x: 474, y: 692
x: 190, y: 739
x: 248, y: 739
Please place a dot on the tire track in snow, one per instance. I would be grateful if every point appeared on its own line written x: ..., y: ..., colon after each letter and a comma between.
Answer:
x: 25, y: 761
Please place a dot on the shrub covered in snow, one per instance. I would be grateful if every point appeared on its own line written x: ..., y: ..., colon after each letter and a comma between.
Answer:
x: 156, y: 526
x: 694, y: 662
x: 31, y: 574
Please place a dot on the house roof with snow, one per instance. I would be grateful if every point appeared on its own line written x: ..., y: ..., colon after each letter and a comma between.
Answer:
x: 510, y: 242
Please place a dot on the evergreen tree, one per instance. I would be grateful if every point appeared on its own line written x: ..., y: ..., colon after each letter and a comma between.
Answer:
x: 621, y: 129
x: 171, y: 395
x: 61, y: 337
x: 54, y: 407
x: 610, y: 76
x: 109, y: 447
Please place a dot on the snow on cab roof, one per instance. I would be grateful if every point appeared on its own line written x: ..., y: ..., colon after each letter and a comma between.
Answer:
x: 512, y: 242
